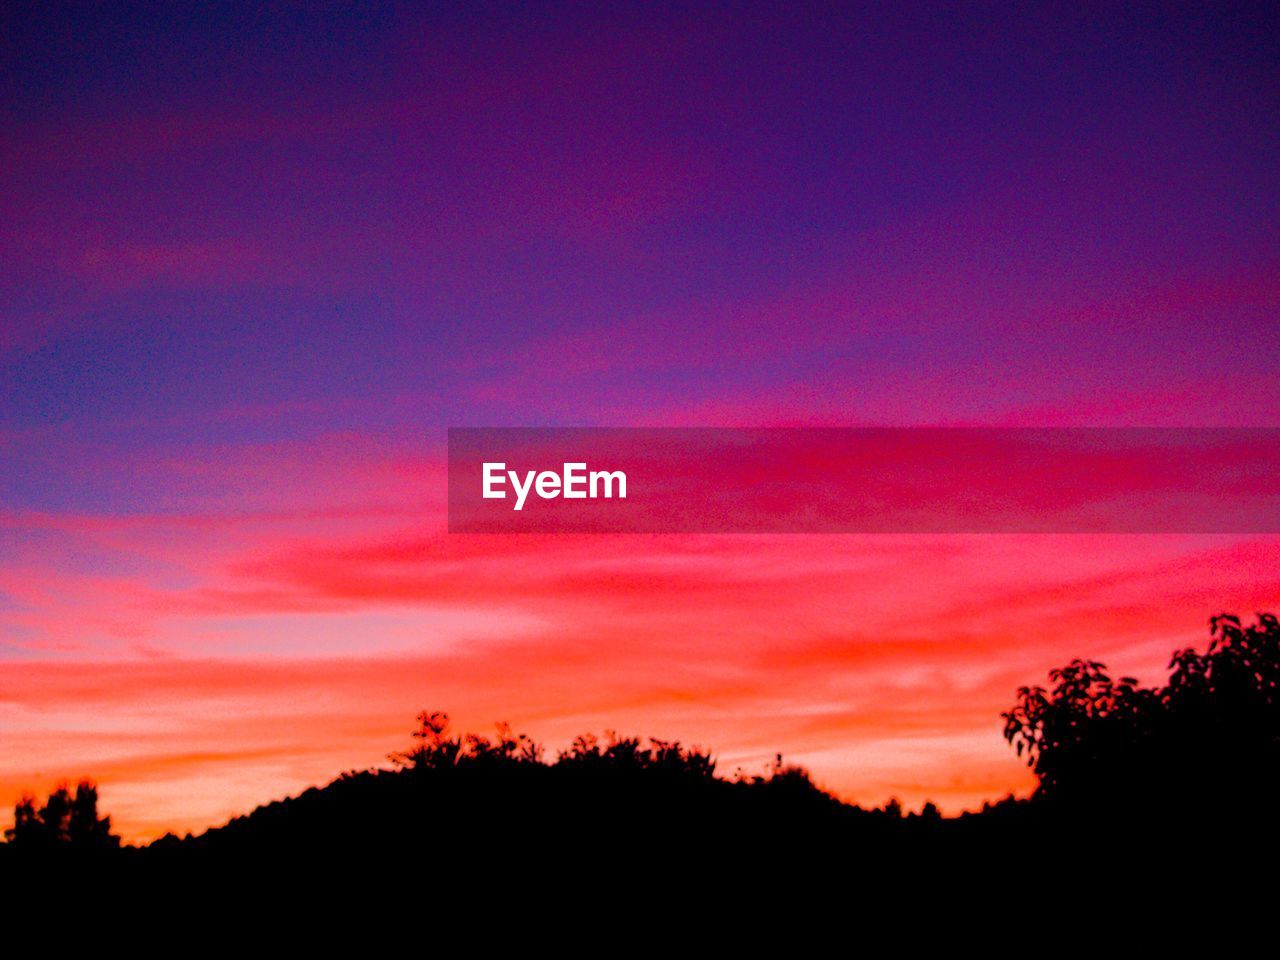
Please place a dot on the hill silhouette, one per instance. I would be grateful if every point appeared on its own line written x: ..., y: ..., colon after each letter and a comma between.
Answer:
x: 1116, y: 762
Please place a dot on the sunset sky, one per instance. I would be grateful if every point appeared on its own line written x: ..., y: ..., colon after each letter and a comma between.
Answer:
x: 255, y: 262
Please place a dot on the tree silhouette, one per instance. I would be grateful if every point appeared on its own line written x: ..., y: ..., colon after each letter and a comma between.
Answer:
x: 1198, y: 753
x: 433, y: 749
x: 1206, y: 740
x: 66, y: 820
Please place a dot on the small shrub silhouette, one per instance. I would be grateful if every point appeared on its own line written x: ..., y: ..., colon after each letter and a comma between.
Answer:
x: 434, y: 749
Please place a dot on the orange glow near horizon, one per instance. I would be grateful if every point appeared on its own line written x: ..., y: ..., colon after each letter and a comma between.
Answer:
x: 244, y: 657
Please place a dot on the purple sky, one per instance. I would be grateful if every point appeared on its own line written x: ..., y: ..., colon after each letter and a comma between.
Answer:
x: 269, y: 223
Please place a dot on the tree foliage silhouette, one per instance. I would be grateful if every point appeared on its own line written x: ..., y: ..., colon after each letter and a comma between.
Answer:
x: 434, y: 749
x: 1202, y: 749
x: 67, y: 820
x: 1209, y: 737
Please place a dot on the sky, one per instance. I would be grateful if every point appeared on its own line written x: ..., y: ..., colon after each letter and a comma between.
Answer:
x: 258, y: 258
